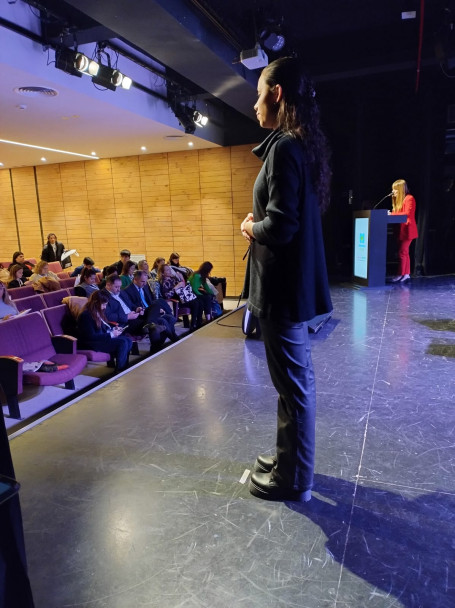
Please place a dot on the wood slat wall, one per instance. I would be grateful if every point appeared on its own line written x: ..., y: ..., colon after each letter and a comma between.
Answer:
x: 189, y: 202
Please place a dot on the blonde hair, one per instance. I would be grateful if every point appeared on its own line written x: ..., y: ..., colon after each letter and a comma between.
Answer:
x: 402, y: 190
x: 39, y: 266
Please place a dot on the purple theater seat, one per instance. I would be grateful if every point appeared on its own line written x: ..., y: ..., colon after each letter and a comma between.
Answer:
x: 27, y: 339
x: 60, y: 321
x: 21, y: 292
x: 35, y: 303
x: 69, y: 282
x: 55, y: 267
x: 54, y: 298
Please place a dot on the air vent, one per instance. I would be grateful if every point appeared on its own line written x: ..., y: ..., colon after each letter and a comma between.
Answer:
x: 36, y: 91
x: 174, y: 137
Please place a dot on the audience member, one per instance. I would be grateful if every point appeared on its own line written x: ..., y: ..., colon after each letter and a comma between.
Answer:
x: 44, y: 279
x: 169, y: 281
x: 125, y: 255
x: 138, y: 296
x: 7, y: 307
x: 87, y: 283
x: 153, y: 281
x: 202, y: 287
x: 16, y: 272
x: 174, y: 262
x: 107, y: 270
x: 127, y: 273
x: 95, y: 333
x: 53, y: 250
x: 117, y: 311
x: 19, y: 258
x: 86, y: 263
x: 144, y: 266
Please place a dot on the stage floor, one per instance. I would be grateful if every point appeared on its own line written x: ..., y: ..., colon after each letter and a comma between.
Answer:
x: 135, y: 496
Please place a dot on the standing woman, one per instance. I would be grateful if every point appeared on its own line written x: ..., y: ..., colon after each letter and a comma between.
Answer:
x: 404, y: 203
x: 53, y: 250
x: 285, y: 235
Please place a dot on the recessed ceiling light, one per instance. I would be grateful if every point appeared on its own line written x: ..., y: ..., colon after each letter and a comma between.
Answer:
x: 1, y: 164
x: 190, y: 143
x: 93, y: 153
x: 143, y: 148
x: 43, y: 159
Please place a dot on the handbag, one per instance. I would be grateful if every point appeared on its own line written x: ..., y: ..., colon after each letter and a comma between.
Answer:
x: 185, y: 294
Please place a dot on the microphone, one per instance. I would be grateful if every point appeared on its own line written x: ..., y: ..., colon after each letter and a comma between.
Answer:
x: 383, y: 199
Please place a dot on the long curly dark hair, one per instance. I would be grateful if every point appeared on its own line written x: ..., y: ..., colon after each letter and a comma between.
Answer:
x: 298, y: 115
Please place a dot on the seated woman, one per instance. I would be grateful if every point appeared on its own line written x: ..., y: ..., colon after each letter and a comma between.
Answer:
x: 153, y: 281
x: 174, y: 262
x: 95, y: 333
x: 7, y: 307
x: 16, y: 272
x: 44, y: 279
x: 202, y: 287
x: 170, y: 281
x: 19, y: 258
x: 87, y: 284
x: 127, y: 273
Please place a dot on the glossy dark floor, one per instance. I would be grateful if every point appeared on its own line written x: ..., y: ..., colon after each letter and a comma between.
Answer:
x: 133, y: 498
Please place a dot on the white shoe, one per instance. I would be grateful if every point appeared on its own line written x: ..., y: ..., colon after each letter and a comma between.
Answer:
x: 405, y: 277
x: 396, y: 279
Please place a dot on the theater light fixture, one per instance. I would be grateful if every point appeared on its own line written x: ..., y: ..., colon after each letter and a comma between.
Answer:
x: 75, y: 63
x: 199, y: 119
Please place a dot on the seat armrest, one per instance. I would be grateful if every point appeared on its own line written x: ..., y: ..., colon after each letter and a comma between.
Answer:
x: 64, y: 345
x: 11, y: 374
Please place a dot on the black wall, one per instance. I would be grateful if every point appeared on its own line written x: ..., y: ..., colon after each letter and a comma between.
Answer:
x: 381, y: 130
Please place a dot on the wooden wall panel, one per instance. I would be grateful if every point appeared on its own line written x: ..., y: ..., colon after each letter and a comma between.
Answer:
x: 216, y: 208
x: 103, y: 221
x: 184, y: 185
x: 156, y: 202
x: 77, y: 211
x: 129, y: 214
x: 245, y: 167
x: 9, y: 240
x: 50, y: 201
x: 28, y: 218
x: 191, y: 202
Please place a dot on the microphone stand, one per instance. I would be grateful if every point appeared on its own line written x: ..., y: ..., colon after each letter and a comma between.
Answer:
x: 382, y: 199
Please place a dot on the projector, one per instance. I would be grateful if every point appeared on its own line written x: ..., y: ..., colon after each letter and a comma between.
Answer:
x: 254, y: 58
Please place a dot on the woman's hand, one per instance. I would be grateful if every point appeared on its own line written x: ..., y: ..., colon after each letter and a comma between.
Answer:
x: 246, y: 228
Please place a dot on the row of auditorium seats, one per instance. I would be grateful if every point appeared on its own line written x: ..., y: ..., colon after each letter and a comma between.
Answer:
x: 24, y: 339
x: 17, y: 293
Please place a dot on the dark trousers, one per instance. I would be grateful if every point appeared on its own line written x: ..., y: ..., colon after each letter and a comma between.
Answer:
x: 288, y: 353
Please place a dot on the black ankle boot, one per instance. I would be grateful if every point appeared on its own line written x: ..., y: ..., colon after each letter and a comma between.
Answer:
x: 264, y: 463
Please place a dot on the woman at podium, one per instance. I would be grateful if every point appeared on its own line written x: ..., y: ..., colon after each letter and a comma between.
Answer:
x: 403, y: 203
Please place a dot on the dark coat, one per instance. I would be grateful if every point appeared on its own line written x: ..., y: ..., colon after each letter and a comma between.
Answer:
x: 91, y: 336
x: 48, y: 254
x: 287, y: 275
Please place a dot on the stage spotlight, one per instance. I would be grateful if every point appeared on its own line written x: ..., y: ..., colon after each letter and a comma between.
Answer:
x: 65, y: 61
x: 108, y: 78
x: 86, y: 65
x: 126, y: 82
x: 199, y: 119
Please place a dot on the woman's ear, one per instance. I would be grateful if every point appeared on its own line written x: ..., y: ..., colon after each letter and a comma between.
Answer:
x: 278, y: 93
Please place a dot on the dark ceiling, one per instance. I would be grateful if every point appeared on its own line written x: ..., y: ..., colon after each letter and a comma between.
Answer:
x: 202, y: 39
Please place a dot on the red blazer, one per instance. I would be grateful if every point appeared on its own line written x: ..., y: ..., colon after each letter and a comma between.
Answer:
x: 408, y: 231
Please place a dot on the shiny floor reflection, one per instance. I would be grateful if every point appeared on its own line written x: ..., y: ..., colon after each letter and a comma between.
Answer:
x: 133, y: 496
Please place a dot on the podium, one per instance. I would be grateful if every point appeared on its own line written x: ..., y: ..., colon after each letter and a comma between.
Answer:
x: 370, y: 245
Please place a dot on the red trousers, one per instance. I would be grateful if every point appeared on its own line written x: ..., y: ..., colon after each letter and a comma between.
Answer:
x: 404, y: 263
